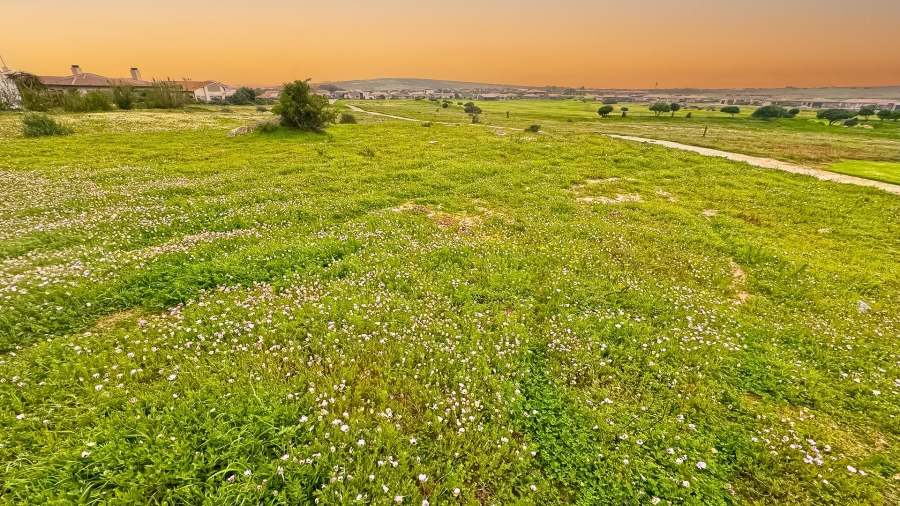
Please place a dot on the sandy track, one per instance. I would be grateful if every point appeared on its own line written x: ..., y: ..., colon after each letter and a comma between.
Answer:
x: 357, y: 109
x: 769, y: 163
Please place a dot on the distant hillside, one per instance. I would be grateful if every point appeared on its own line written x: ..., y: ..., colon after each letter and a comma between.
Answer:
x: 411, y: 83
x: 882, y: 92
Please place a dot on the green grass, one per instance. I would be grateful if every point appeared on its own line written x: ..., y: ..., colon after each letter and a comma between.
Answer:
x: 803, y: 139
x: 889, y: 172
x: 389, y: 311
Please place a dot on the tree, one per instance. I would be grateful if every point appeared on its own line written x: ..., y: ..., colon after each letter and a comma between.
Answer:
x: 674, y: 108
x: 770, y: 112
x: 471, y: 108
x: 605, y: 110
x: 243, y: 96
x: 884, y: 114
x: 794, y: 112
x: 660, y: 108
x: 298, y: 108
x: 730, y: 109
x: 852, y: 122
x: 895, y: 115
x: 330, y: 87
x: 835, y: 115
x: 866, y: 112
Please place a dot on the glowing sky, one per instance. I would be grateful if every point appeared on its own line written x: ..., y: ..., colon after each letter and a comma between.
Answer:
x: 634, y: 44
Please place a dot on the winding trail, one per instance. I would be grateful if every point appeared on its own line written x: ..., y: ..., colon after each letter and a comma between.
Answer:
x: 767, y: 163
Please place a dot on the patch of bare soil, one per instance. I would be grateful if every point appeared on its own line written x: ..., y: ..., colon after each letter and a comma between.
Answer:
x: 606, y: 200
x: 738, y: 279
x: 116, y: 319
x: 462, y: 223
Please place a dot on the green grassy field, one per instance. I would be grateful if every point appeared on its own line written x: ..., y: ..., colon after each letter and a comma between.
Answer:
x: 389, y: 313
x: 889, y: 172
x: 803, y: 139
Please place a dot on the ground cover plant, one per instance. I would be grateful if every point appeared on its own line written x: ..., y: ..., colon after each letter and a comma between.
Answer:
x: 389, y: 314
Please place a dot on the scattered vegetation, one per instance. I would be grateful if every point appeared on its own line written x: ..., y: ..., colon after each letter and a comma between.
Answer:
x: 533, y: 128
x: 865, y: 112
x: 604, y: 111
x: 835, y: 115
x: 770, y: 112
x: 123, y: 95
x: 660, y: 108
x: 674, y: 108
x: 243, y: 96
x: 347, y: 118
x: 165, y: 95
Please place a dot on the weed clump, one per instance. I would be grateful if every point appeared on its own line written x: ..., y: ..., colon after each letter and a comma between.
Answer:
x: 261, y: 108
x: 347, y: 119
x: 533, y: 129
x: 41, y: 125
x: 427, y: 124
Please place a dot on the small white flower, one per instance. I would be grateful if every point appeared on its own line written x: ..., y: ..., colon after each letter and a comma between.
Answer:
x: 851, y: 469
x: 20, y: 416
x: 533, y: 488
x: 385, y: 488
x: 361, y: 442
x: 425, y: 502
x: 398, y: 499
x: 98, y: 387
x: 413, y: 441
x: 455, y: 492
x: 701, y: 465
x: 423, y: 478
x: 303, y: 419
x: 655, y: 500
x: 85, y: 454
x: 247, y: 472
x: 345, y: 428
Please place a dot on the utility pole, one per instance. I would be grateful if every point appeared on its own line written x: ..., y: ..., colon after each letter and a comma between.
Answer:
x: 3, y: 66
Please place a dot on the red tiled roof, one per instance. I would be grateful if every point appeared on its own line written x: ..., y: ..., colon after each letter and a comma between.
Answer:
x: 90, y: 80
x: 193, y: 85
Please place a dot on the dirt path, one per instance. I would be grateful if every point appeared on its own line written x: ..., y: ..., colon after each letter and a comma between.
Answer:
x: 769, y: 163
x: 357, y: 109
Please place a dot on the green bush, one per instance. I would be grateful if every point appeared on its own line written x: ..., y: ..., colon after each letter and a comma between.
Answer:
x: 883, y: 114
x: 793, y: 112
x: 98, y: 101
x: 41, y: 125
x: 242, y: 96
x: 533, y: 128
x: 303, y: 110
x: 866, y: 112
x: 770, y: 112
x: 605, y: 110
x: 268, y: 128
x: 261, y: 108
x: 347, y: 118
x: 688, y: 115
x: 471, y: 108
x: 165, y: 95
x: 852, y: 122
x: 123, y: 95
x: 674, y: 108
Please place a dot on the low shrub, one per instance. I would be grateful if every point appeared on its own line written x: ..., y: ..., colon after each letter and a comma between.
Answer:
x: 41, y: 125
x: 793, y: 112
x: 301, y: 109
x: 688, y: 115
x: 123, y: 95
x: 268, y: 128
x: 165, y: 95
x: 427, y: 124
x: 261, y: 108
x: 770, y: 112
x: 852, y: 122
x: 347, y: 118
x: 533, y: 128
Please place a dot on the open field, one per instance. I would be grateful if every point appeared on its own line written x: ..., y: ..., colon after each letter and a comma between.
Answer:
x: 889, y: 172
x: 390, y: 313
x: 802, y: 140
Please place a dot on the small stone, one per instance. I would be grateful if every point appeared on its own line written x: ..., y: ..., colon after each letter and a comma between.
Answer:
x: 863, y: 307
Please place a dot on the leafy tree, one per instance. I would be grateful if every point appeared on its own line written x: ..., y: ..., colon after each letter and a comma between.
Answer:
x: 852, y: 122
x: 330, y: 87
x: 866, y: 112
x: 299, y: 108
x: 243, y: 96
x: 770, y: 112
x: 471, y: 108
x: 730, y: 109
x: 445, y: 105
x: 610, y: 101
x: 624, y: 109
x: 794, y: 111
x: 883, y: 114
x: 835, y: 115
x: 605, y: 110
x: 660, y: 108
x: 895, y: 115
x: 674, y: 108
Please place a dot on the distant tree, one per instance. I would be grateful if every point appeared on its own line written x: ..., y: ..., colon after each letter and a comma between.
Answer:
x: 674, y: 108
x: 895, y: 115
x: 299, y: 108
x: 471, y: 108
x: 835, y: 115
x: 852, y: 122
x: 624, y: 109
x: 533, y: 128
x: 330, y: 87
x: 445, y: 105
x: 243, y: 96
x: 730, y: 109
x: 770, y: 112
x: 688, y: 115
x: 883, y: 114
x: 605, y: 110
x: 794, y: 112
x: 610, y: 101
x: 660, y: 108
x: 865, y: 112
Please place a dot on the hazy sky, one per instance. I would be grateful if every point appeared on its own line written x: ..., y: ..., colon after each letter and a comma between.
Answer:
x: 634, y: 43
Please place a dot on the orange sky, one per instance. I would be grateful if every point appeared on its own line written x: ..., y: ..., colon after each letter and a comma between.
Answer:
x: 595, y: 43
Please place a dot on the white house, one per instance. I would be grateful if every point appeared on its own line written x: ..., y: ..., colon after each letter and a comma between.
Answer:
x: 204, y: 91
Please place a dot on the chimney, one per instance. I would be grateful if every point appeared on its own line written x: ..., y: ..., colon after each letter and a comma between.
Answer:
x: 76, y: 70
x: 136, y: 74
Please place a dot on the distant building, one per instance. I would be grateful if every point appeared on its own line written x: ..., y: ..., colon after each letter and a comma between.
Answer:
x: 490, y: 96
x: 84, y: 82
x: 204, y: 91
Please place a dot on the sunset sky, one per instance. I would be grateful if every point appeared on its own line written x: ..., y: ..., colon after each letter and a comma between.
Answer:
x: 625, y: 44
